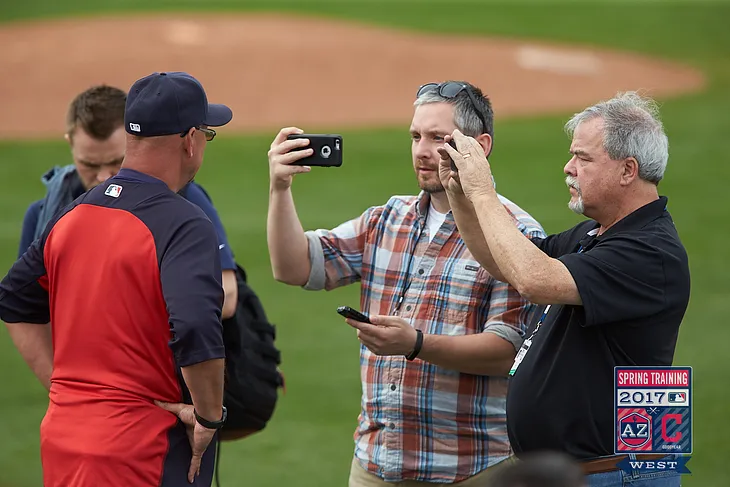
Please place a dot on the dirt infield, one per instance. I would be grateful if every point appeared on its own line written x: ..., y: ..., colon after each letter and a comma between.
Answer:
x: 276, y: 70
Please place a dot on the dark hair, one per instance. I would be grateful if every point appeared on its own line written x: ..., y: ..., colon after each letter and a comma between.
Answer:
x: 99, y: 111
x: 540, y: 469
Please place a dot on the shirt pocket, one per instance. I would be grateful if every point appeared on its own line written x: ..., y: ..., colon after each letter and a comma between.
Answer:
x: 465, y: 292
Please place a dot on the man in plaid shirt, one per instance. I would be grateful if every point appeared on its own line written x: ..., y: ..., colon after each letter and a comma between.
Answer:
x: 444, y: 333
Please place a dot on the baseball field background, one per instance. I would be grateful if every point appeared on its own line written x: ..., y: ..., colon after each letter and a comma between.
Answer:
x: 309, y: 441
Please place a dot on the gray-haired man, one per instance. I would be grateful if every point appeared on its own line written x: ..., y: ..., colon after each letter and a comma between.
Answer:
x: 616, y: 286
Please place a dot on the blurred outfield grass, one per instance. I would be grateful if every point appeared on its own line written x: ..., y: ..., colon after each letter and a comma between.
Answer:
x: 309, y: 441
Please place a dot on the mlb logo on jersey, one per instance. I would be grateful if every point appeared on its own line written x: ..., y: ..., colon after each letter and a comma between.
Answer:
x: 114, y: 190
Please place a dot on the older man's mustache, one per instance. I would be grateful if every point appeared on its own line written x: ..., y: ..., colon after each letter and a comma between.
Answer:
x: 572, y: 183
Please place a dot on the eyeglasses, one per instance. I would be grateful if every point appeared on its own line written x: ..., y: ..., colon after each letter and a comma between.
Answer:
x: 209, y: 133
x: 450, y: 89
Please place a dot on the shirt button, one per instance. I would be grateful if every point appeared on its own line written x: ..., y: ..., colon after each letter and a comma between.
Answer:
x: 392, y: 387
x: 391, y: 426
x: 420, y: 271
x: 408, y: 308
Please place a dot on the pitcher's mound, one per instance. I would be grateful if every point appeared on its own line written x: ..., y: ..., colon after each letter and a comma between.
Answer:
x: 276, y: 70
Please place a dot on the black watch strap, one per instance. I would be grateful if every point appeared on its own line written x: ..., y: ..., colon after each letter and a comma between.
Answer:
x: 213, y: 425
x: 417, y: 347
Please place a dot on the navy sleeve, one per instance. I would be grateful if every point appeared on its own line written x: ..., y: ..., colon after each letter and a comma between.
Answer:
x: 30, y: 221
x: 620, y: 279
x: 190, y: 273
x: 23, y: 291
x: 197, y: 195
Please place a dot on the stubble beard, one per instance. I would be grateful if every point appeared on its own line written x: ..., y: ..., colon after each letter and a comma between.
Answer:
x: 431, y: 186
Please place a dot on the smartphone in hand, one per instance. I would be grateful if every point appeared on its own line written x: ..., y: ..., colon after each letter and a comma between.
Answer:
x: 327, y: 150
x: 348, y: 312
x: 452, y: 143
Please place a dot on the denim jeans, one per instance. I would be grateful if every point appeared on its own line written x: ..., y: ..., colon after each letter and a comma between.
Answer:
x: 619, y: 478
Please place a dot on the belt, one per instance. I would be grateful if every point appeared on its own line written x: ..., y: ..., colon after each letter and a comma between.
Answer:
x: 608, y: 464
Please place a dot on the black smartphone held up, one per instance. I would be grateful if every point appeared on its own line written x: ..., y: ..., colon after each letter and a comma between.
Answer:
x: 348, y: 312
x: 327, y: 150
x: 452, y: 143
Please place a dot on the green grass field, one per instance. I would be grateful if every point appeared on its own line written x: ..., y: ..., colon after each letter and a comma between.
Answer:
x: 309, y: 441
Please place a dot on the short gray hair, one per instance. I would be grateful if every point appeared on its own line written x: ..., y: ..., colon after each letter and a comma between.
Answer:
x: 466, y: 118
x: 631, y: 128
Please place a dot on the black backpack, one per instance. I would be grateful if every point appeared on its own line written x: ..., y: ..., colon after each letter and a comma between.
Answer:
x: 252, y: 376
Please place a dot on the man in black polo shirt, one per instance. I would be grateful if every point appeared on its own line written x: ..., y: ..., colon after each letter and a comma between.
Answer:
x: 616, y: 287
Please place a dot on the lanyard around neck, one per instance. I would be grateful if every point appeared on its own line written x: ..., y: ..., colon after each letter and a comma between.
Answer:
x: 414, y: 237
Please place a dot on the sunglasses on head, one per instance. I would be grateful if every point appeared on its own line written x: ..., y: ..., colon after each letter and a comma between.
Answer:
x: 209, y: 133
x: 450, y: 89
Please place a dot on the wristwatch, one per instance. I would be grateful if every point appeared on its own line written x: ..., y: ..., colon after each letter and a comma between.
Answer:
x: 213, y: 425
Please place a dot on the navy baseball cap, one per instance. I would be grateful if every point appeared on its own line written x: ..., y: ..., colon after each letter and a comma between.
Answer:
x: 170, y: 103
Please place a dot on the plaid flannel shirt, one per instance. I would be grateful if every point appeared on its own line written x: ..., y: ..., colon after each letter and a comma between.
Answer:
x: 419, y: 421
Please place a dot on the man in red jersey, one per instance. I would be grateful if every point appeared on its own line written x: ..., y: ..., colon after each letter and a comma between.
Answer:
x: 129, y: 276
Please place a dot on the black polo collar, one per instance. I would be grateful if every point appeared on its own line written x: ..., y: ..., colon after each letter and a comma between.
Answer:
x: 633, y: 221
x: 639, y: 218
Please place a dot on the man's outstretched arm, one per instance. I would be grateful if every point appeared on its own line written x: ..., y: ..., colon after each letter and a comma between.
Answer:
x: 288, y: 245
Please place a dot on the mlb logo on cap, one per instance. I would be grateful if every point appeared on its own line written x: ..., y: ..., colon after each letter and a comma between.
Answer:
x: 113, y: 190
